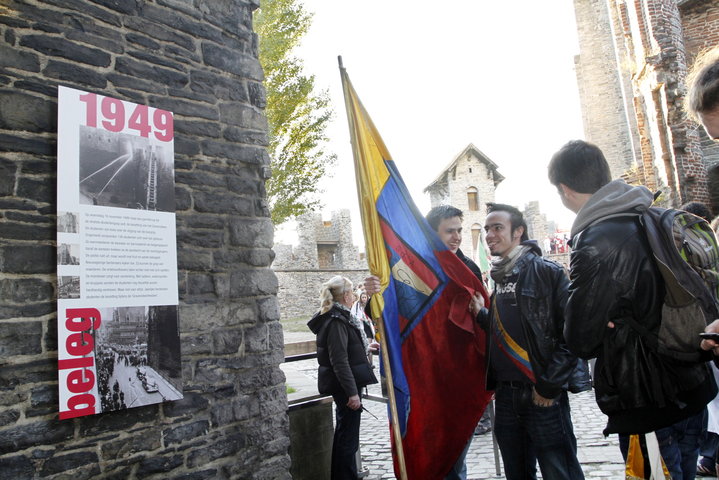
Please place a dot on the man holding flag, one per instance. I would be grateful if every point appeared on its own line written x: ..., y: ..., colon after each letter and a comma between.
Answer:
x: 447, y: 223
x: 431, y: 346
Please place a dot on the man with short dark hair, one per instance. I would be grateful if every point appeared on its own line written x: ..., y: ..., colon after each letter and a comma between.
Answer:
x: 615, y: 291
x: 446, y: 220
x: 529, y: 364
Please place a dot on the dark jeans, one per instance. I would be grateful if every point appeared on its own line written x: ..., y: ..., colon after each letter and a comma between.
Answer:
x: 527, y: 433
x: 708, y: 448
x: 346, y: 440
x: 679, y: 446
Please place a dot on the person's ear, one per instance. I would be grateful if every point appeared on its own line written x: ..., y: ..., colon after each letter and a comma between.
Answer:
x: 565, y: 191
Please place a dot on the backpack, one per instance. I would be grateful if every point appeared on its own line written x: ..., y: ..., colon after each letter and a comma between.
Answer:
x: 686, y: 253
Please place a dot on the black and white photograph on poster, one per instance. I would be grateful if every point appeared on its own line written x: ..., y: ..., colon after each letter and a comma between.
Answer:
x: 137, y: 352
x: 68, y: 286
x: 118, y: 320
x: 67, y: 222
x: 125, y: 171
x: 68, y: 254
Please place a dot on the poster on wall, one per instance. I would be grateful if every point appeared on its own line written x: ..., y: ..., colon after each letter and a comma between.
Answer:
x: 118, y: 324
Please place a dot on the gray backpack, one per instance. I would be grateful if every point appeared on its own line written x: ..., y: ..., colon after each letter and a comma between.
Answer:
x: 686, y: 253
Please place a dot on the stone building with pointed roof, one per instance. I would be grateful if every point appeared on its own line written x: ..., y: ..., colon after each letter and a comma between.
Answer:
x: 468, y: 182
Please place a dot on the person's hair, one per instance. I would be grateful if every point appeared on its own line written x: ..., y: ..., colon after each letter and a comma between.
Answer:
x: 703, y: 84
x: 442, y: 212
x: 581, y: 166
x: 698, y: 209
x: 332, y: 291
x: 516, y: 219
x: 358, y: 293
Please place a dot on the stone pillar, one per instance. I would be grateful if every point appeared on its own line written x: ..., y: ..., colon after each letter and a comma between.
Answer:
x: 603, y: 90
x: 305, y: 253
x: 198, y: 60
x: 536, y: 223
x: 347, y: 252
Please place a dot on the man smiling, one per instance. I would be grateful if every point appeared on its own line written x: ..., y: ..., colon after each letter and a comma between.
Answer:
x: 446, y: 220
x: 529, y: 363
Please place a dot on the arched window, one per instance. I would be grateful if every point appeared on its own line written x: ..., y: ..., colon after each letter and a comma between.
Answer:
x: 476, y: 237
x: 472, y: 199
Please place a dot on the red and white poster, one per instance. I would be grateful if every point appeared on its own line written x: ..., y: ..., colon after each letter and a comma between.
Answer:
x: 118, y: 324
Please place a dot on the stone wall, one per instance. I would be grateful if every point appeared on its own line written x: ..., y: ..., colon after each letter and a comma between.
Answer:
x: 325, y: 249
x: 197, y: 59
x: 299, y: 290
x: 601, y: 87
x: 631, y: 69
x: 537, y: 226
x: 333, y: 236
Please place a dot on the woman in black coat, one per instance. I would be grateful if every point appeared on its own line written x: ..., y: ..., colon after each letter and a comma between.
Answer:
x: 342, y: 348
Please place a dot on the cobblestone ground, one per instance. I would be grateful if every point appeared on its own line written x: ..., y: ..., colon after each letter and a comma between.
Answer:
x: 599, y: 456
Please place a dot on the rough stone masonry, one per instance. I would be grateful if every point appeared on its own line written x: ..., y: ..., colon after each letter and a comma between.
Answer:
x: 198, y: 59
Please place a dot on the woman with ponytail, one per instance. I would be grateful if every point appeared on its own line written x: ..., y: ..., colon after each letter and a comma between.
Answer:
x: 342, y: 348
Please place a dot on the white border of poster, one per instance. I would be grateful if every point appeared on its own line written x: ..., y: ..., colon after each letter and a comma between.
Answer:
x: 118, y: 323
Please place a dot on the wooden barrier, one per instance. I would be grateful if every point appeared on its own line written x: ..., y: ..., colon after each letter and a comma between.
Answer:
x: 311, y: 432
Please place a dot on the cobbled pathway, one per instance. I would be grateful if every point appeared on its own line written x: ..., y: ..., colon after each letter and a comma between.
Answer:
x: 599, y: 456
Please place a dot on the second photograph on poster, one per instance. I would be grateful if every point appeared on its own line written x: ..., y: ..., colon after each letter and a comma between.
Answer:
x: 137, y: 352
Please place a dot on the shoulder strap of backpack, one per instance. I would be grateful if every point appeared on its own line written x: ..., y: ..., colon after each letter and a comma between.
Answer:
x: 670, y: 250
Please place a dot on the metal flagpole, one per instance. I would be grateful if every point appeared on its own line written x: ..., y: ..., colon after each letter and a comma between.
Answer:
x: 380, y: 321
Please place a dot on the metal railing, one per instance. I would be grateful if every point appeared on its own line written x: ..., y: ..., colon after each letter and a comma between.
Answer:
x: 300, y: 352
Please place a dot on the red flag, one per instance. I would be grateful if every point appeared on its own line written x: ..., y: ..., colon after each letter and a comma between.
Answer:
x: 436, y: 350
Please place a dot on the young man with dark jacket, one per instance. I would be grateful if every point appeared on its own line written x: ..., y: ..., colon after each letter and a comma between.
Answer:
x: 446, y: 220
x: 615, y: 284
x: 529, y: 364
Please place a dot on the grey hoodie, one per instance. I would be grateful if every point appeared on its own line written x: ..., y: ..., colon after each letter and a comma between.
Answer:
x: 615, y: 199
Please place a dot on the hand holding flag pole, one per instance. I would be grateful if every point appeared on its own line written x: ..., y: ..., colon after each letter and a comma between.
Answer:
x: 376, y: 260
x: 431, y: 346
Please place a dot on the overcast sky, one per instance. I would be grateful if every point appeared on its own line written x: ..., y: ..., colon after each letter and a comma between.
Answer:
x: 435, y: 77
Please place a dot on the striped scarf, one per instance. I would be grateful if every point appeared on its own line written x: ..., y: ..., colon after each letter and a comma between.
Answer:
x: 503, y: 267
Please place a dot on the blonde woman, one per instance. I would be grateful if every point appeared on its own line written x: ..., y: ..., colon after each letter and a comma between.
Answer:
x: 342, y: 348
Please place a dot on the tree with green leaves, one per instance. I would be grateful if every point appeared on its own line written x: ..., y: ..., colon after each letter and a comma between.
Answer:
x: 297, y: 115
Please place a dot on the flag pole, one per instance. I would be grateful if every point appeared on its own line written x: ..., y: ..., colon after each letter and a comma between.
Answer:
x: 392, y: 400
x: 380, y: 321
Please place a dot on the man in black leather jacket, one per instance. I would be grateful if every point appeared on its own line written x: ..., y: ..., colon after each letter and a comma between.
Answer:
x: 615, y: 282
x: 529, y: 364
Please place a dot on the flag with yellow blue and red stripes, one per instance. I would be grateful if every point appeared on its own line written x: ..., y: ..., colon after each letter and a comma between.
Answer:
x: 436, y: 350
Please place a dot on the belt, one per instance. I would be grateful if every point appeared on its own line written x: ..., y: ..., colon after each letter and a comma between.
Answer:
x: 514, y: 384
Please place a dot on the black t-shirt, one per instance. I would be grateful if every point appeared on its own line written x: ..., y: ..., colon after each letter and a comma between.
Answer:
x: 508, y: 351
